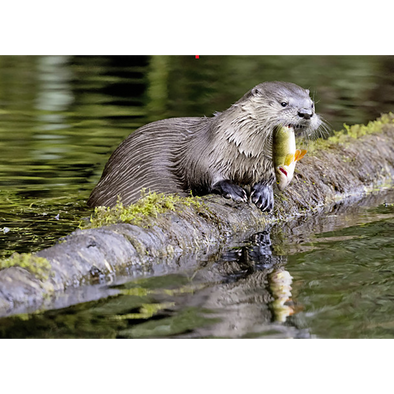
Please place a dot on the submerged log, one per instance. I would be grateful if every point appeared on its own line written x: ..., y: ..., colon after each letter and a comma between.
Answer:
x: 350, y: 163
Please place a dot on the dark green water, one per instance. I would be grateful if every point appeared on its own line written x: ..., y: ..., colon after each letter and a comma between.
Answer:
x: 61, y: 117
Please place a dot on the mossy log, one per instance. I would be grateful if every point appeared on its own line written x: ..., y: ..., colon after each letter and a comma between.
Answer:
x: 163, y: 232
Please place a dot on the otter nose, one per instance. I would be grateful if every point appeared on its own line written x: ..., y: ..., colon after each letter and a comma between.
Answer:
x: 305, y: 113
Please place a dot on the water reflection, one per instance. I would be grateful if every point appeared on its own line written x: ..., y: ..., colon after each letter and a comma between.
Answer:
x: 54, y: 89
x: 242, y: 295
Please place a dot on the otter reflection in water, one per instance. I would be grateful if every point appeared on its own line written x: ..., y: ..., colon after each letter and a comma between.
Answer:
x: 251, y: 295
x: 244, y: 292
x: 229, y: 153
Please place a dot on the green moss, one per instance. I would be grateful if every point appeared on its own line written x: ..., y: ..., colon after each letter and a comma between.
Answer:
x: 150, y: 205
x: 38, y: 266
x: 146, y: 311
x: 352, y: 132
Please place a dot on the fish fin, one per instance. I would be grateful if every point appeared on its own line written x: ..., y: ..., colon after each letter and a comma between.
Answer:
x: 299, y: 154
x: 289, y: 159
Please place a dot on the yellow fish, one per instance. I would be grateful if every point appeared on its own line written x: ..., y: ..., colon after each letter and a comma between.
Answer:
x: 285, y: 155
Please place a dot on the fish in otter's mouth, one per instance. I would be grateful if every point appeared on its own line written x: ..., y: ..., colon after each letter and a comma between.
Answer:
x: 285, y: 155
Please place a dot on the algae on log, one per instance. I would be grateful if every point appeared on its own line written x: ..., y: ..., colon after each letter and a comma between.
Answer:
x: 351, y: 162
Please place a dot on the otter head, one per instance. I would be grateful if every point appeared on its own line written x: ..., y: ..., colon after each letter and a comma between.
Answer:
x: 244, y: 134
x: 286, y: 104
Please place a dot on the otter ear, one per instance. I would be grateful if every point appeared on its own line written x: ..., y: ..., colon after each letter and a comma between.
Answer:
x: 256, y: 91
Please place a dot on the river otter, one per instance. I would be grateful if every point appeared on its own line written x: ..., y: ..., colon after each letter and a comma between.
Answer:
x: 222, y: 154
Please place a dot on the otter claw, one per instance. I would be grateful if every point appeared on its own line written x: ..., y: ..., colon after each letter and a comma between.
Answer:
x: 229, y: 190
x: 263, y: 197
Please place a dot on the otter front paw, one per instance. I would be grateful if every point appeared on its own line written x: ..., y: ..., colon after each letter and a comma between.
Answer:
x: 263, y: 197
x: 229, y: 190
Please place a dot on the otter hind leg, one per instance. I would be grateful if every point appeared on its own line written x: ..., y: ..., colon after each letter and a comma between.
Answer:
x: 230, y: 190
x: 263, y: 196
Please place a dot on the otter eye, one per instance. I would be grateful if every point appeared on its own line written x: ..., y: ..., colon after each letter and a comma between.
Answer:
x: 283, y: 104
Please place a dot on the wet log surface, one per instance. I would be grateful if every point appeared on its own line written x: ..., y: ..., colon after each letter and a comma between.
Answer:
x: 339, y: 172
